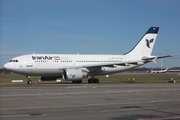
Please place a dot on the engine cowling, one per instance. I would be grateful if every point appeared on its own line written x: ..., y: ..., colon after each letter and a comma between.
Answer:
x: 48, y: 78
x: 73, y: 74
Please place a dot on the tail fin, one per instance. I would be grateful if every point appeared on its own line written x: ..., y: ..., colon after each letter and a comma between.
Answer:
x: 145, y: 46
x: 166, y: 69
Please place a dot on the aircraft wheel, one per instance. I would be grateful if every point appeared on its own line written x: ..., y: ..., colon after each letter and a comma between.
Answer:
x: 93, y: 81
x: 90, y: 81
x: 96, y: 80
x: 78, y: 81
x: 29, y: 82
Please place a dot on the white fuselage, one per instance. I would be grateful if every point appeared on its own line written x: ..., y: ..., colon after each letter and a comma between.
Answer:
x: 159, y: 71
x: 53, y: 64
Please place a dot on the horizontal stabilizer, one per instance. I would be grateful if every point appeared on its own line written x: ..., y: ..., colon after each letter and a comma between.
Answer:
x: 157, y: 57
x: 164, y: 56
x: 154, y: 58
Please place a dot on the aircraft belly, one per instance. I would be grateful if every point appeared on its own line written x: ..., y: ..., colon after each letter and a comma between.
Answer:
x: 40, y: 72
x: 47, y: 72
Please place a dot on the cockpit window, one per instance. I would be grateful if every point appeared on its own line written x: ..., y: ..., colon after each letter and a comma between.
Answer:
x: 13, y: 61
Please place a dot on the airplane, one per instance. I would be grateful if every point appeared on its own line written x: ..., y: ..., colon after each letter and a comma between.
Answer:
x: 173, y: 70
x: 74, y: 67
x: 159, y: 71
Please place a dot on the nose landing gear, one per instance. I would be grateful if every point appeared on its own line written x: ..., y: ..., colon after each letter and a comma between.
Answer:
x: 29, y: 82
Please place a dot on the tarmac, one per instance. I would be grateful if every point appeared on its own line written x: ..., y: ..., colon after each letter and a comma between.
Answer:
x: 91, y: 102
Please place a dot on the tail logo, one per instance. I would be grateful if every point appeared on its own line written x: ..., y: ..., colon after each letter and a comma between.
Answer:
x: 148, y: 42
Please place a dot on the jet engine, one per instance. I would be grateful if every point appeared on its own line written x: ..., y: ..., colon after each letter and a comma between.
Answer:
x: 73, y: 74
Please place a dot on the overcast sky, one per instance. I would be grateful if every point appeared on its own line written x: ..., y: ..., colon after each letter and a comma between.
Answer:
x: 88, y: 27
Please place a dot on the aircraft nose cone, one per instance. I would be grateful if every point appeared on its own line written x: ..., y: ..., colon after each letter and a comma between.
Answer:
x: 7, y: 66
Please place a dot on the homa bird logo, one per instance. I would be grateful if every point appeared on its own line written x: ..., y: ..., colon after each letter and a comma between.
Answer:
x: 148, y: 42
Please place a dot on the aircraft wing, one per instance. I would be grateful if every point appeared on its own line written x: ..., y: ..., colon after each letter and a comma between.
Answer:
x: 98, y: 66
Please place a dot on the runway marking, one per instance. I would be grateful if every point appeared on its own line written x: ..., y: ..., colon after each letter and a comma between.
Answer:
x: 26, y: 115
x: 85, y: 105
x: 82, y: 93
x: 134, y: 102
x: 43, y: 107
x: 131, y: 109
x: 15, y: 116
x: 162, y: 118
x: 108, y: 110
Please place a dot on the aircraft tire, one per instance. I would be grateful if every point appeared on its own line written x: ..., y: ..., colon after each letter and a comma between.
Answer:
x: 29, y: 82
x: 96, y: 80
x: 93, y: 81
x: 90, y: 81
x: 78, y: 81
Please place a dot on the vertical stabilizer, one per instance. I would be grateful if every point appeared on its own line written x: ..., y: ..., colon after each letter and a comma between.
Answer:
x: 145, y: 46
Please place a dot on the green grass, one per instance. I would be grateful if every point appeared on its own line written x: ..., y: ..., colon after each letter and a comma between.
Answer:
x: 140, y: 78
x: 7, y: 78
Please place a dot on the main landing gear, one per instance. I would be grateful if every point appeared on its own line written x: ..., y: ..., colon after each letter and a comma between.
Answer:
x: 29, y: 80
x: 77, y: 81
x: 93, y: 80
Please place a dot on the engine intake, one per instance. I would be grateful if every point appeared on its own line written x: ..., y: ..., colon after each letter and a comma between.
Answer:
x: 73, y: 74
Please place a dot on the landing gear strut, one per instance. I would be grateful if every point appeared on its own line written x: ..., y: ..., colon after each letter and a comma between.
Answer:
x: 29, y: 80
